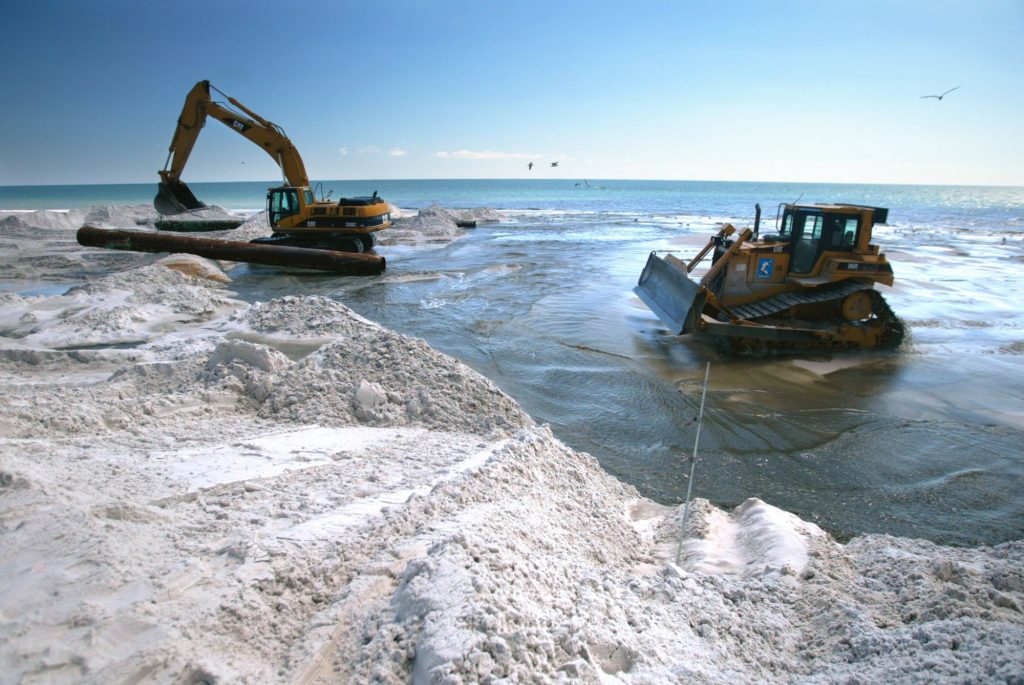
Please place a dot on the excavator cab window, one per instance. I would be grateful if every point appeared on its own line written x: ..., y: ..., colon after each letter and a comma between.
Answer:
x: 284, y: 202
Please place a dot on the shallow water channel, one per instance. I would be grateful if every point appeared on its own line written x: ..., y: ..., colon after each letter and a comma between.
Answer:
x: 927, y: 441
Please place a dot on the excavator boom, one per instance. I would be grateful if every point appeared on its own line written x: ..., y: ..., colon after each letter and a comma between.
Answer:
x: 174, y: 196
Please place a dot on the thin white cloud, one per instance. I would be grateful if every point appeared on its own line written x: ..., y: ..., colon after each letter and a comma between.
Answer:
x: 485, y: 154
x: 371, y: 150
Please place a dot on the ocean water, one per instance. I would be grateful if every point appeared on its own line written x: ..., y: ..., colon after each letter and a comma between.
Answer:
x: 924, y: 441
x: 958, y: 207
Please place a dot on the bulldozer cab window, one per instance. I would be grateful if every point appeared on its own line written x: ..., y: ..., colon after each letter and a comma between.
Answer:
x: 845, y: 233
x: 806, y: 241
x: 786, y: 232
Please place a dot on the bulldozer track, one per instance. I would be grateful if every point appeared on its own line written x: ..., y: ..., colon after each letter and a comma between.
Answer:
x: 892, y: 328
x: 779, y: 303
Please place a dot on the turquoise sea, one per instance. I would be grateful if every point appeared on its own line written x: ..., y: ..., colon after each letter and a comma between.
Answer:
x: 925, y: 441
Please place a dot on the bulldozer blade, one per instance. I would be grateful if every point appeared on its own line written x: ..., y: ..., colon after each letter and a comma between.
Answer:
x: 175, y: 197
x: 666, y: 289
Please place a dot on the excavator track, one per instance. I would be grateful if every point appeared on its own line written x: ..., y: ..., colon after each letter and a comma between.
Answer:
x: 819, y: 309
x: 340, y: 243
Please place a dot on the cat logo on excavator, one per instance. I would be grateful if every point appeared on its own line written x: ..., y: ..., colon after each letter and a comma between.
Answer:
x: 809, y: 285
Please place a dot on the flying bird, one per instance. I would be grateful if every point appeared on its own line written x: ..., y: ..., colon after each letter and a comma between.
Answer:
x: 939, y: 97
x: 554, y: 163
x: 530, y: 166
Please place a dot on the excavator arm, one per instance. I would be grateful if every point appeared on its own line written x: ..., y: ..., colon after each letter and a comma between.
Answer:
x: 174, y: 196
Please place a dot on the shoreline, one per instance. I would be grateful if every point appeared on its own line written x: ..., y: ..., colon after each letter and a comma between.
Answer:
x: 194, y: 488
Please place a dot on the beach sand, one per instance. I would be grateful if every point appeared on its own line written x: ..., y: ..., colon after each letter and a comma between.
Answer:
x: 194, y: 489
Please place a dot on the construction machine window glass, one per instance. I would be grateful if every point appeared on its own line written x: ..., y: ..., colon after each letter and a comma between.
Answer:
x: 786, y: 232
x: 806, y: 238
x: 283, y: 203
x: 845, y: 232
x: 812, y: 233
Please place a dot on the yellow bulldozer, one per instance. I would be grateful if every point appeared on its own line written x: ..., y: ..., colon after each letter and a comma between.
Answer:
x: 808, y: 285
x: 297, y: 216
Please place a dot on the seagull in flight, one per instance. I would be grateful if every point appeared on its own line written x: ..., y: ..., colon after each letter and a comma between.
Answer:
x: 554, y: 163
x: 939, y: 97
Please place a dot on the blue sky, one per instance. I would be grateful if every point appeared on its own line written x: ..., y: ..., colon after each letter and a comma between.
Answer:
x: 761, y: 91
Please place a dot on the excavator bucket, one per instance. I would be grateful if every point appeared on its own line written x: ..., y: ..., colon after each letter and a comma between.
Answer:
x: 174, y: 197
x: 666, y: 289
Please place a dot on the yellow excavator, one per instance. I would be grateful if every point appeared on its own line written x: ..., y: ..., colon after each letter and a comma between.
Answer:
x: 296, y: 216
x: 809, y: 285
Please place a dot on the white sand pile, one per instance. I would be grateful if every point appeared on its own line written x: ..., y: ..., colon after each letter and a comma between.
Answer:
x: 39, y: 224
x: 256, y: 225
x: 41, y: 246
x: 433, y: 224
x: 192, y: 265
x: 127, y: 307
x: 478, y: 214
x: 135, y: 216
x: 121, y: 216
x: 205, y: 491
x: 47, y: 249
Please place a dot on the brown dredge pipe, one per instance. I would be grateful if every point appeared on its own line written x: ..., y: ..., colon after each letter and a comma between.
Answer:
x: 275, y: 255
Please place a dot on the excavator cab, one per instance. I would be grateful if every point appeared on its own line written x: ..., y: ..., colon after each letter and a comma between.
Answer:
x: 282, y: 203
x: 299, y: 219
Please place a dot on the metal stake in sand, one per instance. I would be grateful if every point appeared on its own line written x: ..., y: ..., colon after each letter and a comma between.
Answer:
x: 693, y: 464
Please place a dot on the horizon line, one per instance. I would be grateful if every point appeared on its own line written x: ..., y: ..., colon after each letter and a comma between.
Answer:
x: 275, y: 183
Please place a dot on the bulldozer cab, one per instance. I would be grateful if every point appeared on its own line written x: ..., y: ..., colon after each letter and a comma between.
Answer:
x: 814, y: 230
